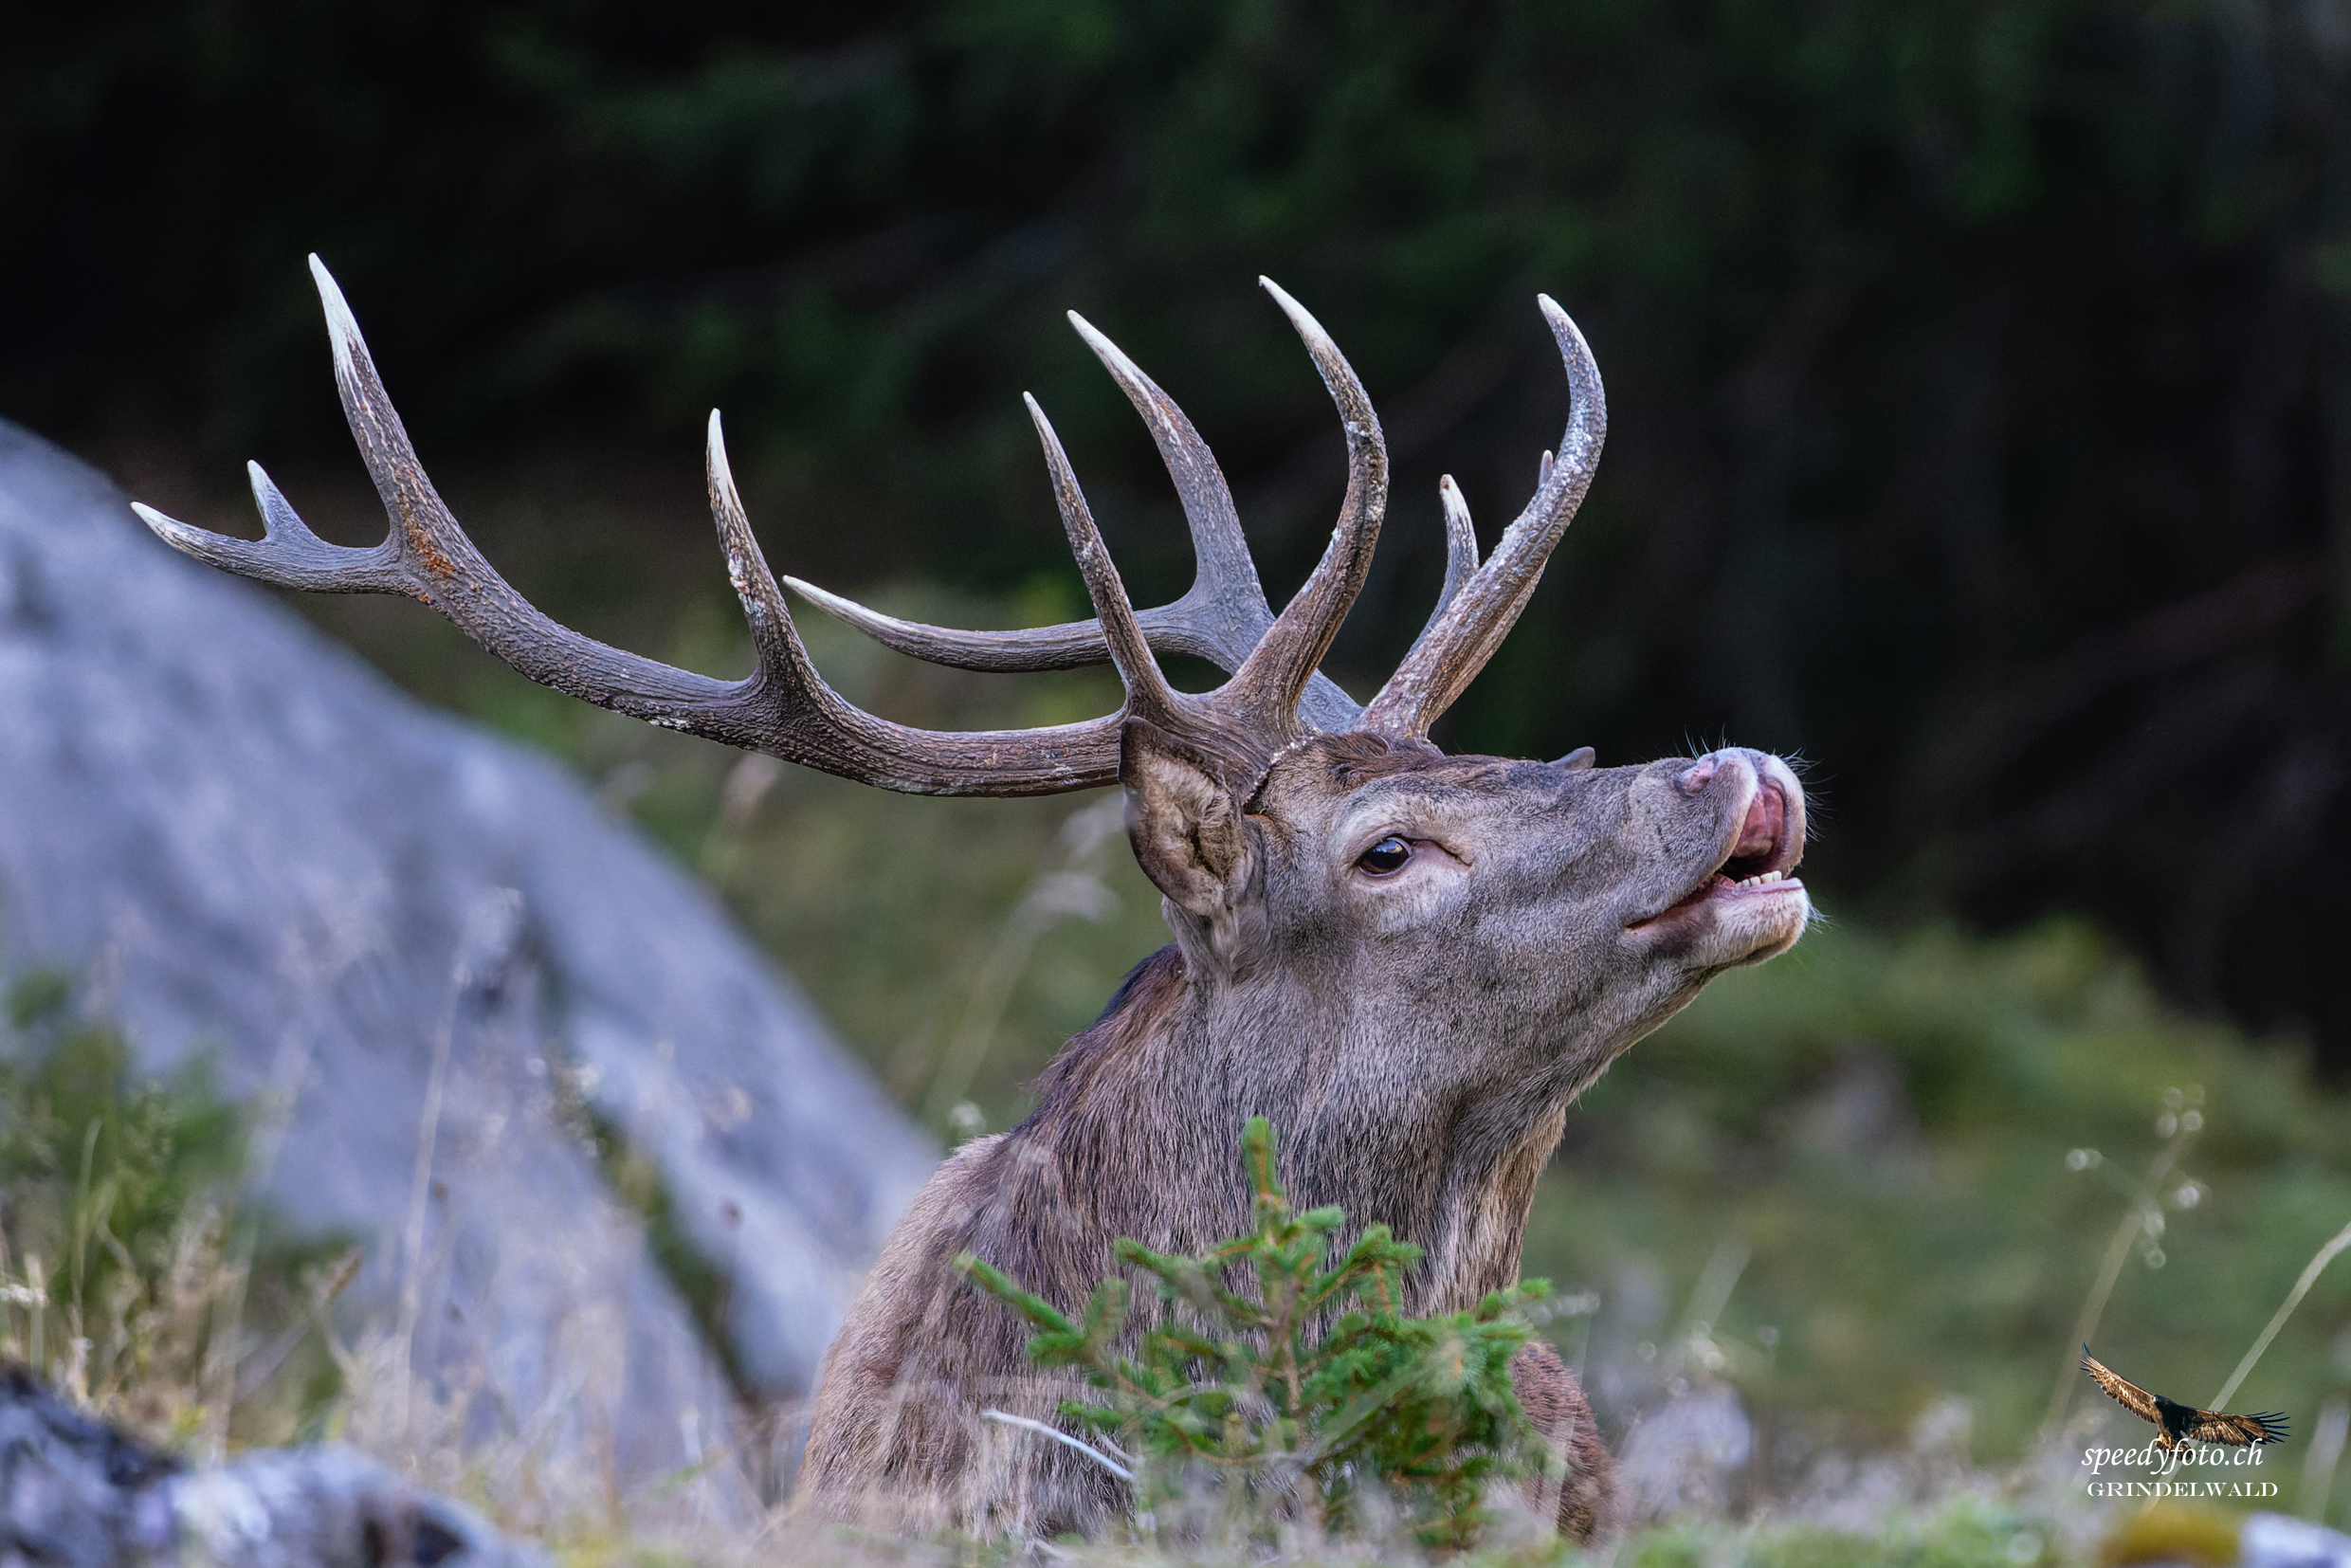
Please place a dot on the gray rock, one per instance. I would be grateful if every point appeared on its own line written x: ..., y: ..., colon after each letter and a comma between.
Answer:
x: 75, y: 1493
x: 2278, y: 1541
x: 326, y: 1508
x: 1687, y: 1457
x: 429, y: 950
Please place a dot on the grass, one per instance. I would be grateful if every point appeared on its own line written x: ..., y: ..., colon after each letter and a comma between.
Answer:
x: 134, y: 1284
x: 130, y: 1278
x: 1883, y: 1126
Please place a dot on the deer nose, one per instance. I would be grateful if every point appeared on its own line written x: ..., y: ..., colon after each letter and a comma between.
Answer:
x: 1772, y: 828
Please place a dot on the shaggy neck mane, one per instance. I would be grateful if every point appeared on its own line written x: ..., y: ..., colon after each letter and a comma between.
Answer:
x: 1141, y: 1006
x: 1137, y: 1133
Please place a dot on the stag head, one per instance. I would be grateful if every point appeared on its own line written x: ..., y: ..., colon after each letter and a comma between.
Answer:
x: 1198, y: 768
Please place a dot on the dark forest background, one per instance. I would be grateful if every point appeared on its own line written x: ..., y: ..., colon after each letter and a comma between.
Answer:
x: 1979, y: 372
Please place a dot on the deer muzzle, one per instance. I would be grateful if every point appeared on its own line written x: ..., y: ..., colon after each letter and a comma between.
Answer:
x: 1762, y: 840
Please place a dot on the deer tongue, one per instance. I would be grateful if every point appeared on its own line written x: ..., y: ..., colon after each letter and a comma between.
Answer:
x: 1767, y: 818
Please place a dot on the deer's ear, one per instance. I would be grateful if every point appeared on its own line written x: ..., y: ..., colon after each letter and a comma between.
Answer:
x: 1184, y: 823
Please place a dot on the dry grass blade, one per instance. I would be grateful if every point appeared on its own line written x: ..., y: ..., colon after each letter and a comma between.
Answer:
x: 2310, y: 1273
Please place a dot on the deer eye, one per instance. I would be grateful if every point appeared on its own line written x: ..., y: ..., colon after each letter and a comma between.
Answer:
x: 1386, y: 858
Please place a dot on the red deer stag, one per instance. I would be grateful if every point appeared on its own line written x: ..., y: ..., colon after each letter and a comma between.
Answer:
x: 1411, y: 962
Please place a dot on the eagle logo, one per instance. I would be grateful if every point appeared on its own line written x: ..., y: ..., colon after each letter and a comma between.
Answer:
x: 2177, y: 1424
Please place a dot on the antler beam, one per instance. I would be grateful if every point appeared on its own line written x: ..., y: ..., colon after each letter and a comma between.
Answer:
x: 784, y: 708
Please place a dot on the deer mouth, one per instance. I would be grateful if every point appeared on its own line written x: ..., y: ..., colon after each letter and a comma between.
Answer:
x: 1757, y: 862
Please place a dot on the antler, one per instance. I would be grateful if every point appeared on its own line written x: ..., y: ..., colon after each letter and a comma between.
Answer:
x: 784, y: 707
x: 1222, y: 617
x: 1463, y: 634
x: 1223, y: 614
x: 1219, y: 618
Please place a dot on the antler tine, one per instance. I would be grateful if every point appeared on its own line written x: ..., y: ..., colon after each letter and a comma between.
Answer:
x: 1221, y: 617
x: 1461, y: 547
x: 427, y: 555
x: 773, y: 634
x: 1268, y: 684
x: 1465, y: 635
x: 1148, y: 695
x: 1225, y: 607
x: 287, y: 553
x: 1460, y: 557
x: 784, y: 708
x: 1067, y: 646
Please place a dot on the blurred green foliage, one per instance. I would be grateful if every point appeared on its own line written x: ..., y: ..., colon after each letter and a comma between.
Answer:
x: 1976, y: 365
x: 1968, y: 1532
x: 1879, y: 1130
x: 97, y: 1174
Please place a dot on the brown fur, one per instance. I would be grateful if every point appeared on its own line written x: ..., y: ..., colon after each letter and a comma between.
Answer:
x: 1583, y: 1499
x: 1414, y: 1039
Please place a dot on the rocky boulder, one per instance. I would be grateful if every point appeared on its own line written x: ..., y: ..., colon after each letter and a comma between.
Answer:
x: 434, y: 961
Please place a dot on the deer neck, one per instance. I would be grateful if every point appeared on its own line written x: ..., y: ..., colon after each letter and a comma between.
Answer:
x: 1143, y: 1113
